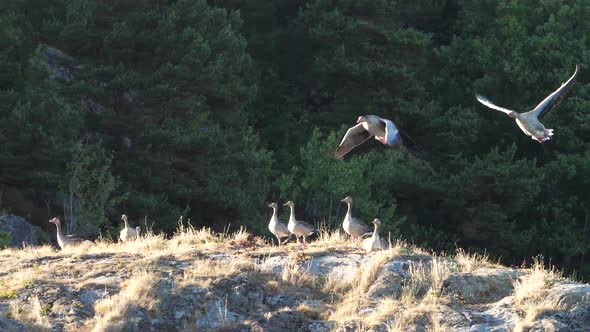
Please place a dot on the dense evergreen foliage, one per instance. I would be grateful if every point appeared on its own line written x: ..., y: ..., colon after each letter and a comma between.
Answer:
x: 211, y: 109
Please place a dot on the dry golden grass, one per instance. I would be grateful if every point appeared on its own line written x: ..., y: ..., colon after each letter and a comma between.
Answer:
x: 188, y: 235
x: 425, y: 282
x: 332, y: 237
x: 149, y: 242
x: 534, y: 311
x: 420, y: 294
x: 531, y: 287
x: 39, y: 312
x: 204, y: 271
x: 138, y: 292
x: 22, y: 278
x: 313, y: 312
x: 33, y: 315
x: 470, y: 262
x: 296, y: 275
x: 352, y: 294
x: 530, y: 293
x: 406, y: 317
x: 415, y: 286
x: 439, y: 271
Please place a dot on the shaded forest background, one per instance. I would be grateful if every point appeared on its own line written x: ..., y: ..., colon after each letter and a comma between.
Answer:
x: 212, y: 109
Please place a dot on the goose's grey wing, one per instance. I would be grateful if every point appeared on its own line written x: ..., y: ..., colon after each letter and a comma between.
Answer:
x: 74, y: 237
x: 555, y: 98
x: 489, y: 104
x: 307, y: 225
x: 282, y: 229
x: 353, y: 137
x: 392, y: 135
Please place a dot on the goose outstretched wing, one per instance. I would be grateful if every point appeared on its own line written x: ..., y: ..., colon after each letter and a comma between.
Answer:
x: 354, y: 137
x: 555, y: 98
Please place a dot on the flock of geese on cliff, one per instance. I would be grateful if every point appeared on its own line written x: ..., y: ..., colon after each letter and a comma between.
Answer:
x: 386, y: 132
x: 354, y: 227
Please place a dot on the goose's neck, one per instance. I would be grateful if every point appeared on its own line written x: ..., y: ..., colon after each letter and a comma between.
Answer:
x: 126, y: 223
x: 349, y: 210
x: 515, y: 115
x: 274, y: 215
x: 292, y: 215
x: 61, y: 239
x: 376, y: 231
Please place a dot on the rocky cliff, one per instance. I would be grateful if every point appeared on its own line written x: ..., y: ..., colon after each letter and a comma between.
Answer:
x: 201, y: 281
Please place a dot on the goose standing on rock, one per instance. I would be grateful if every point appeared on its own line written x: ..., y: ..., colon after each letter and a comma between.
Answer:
x: 369, y: 125
x: 529, y: 122
x: 375, y: 242
x: 276, y: 227
x: 67, y: 240
x: 352, y: 226
x: 297, y: 227
x: 127, y: 233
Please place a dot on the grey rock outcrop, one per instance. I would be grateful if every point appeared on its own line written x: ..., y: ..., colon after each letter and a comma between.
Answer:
x: 482, y: 286
x: 10, y: 325
x: 21, y: 232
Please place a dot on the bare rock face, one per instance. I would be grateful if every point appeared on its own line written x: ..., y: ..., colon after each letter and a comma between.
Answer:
x: 482, y: 286
x: 10, y: 325
x: 342, y: 267
x: 390, y: 281
x: 570, y: 293
x: 21, y: 232
x: 243, y: 294
x: 290, y: 320
x: 60, y: 65
x: 577, y: 320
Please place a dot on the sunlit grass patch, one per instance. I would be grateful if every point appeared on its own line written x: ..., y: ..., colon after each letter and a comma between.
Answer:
x: 531, y: 287
x: 203, y: 272
x: 33, y: 315
x: 470, y: 262
x: 530, y: 293
x: 139, y: 292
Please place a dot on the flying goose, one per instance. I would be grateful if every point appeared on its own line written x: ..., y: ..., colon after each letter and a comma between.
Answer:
x: 67, y: 240
x: 369, y: 125
x: 529, y: 122
x: 375, y: 242
x: 276, y: 227
x: 297, y: 227
x: 352, y: 226
x: 127, y: 233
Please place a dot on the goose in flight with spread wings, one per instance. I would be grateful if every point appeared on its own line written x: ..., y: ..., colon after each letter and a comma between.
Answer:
x: 369, y: 125
x: 530, y: 122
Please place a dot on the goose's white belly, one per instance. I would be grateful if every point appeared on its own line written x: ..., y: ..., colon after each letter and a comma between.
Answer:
x: 346, y: 224
x: 531, y: 126
x: 374, y: 129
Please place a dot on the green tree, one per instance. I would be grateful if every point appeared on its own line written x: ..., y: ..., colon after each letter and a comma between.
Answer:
x: 90, y: 189
x: 365, y: 61
x: 171, y: 88
x: 38, y: 129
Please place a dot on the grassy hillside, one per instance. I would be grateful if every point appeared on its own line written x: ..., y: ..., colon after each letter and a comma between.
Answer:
x: 198, y: 280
